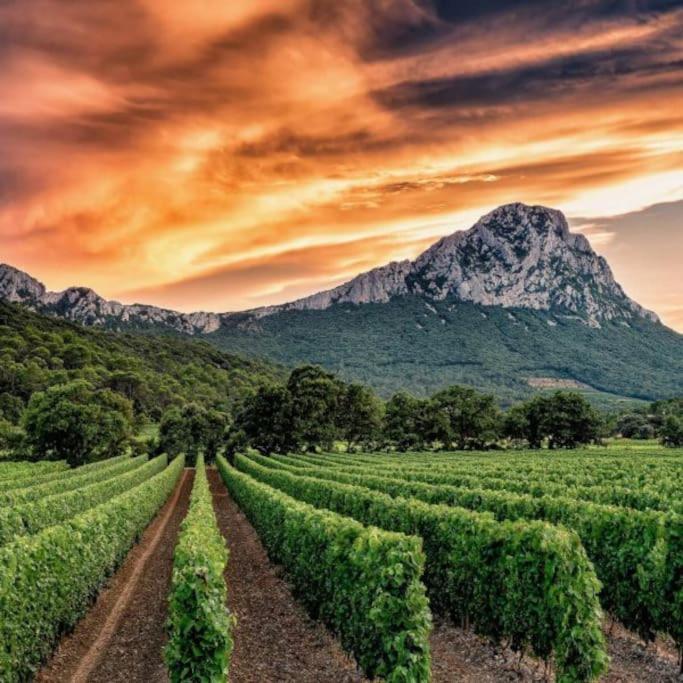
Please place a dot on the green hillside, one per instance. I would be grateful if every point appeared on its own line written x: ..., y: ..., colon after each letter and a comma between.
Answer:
x: 154, y: 372
x: 410, y: 344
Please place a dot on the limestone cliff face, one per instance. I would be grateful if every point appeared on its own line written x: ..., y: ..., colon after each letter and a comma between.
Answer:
x: 83, y: 305
x: 516, y: 256
x: 376, y: 286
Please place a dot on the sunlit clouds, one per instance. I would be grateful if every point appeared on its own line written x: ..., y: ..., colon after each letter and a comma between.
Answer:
x: 222, y: 155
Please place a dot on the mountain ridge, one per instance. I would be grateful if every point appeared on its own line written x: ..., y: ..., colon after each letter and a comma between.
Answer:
x: 514, y: 256
x: 441, y: 270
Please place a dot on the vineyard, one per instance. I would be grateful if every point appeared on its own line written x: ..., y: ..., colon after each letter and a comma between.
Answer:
x: 370, y: 566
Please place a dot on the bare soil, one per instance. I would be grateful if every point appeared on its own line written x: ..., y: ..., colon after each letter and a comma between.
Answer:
x: 122, y: 636
x: 463, y: 656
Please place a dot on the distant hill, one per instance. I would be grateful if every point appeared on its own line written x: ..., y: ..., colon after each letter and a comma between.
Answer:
x: 515, y: 304
x: 37, y: 351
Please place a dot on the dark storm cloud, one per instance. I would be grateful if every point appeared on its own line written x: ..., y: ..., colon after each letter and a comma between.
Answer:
x: 600, y: 71
x: 467, y: 10
x: 395, y: 33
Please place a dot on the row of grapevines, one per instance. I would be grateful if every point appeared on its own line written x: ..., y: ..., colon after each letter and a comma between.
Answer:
x: 31, y: 478
x: 363, y: 582
x: 635, y: 553
x: 667, y: 479
x: 23, y: 468
x: 525, y: 581
x: 199, y: 626
x: 47, y: 581
x: 613, y: 467
x: 642, y: 498
x: 30, y: 518
x: 76, y: 480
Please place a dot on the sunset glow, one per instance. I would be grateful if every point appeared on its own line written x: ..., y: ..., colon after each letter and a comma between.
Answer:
x: 225, y: 155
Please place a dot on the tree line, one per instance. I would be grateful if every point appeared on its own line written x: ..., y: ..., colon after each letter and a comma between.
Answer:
x: 316, y: 411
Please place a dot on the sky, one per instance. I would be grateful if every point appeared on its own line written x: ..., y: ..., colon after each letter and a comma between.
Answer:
x: 221, y: 155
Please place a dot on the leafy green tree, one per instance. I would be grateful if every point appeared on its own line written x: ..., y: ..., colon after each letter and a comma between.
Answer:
x: 515, y: 422
x: 570, y: 420
x: 661, y: 410
x: 465, y: 418
x: 192, y: 429
x: 77, y: 423
x: 76, y: 356
x: 315, y: 398
x: 360, y: 416
x: 634, y: 426
x: 671, y: 432
x: 7, y: 436
x: 11, y: 407
x: 172, y: 439
x: 408, y: 422
x: 565, y: 419
x: 669, y: 406
x: 133, y: 386
x: 216, y: 426
x: 264, y: 422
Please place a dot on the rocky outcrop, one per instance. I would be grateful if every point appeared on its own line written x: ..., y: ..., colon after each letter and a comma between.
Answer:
x: 375, y: 286
x: 516, y: 256
x: 85, y: 306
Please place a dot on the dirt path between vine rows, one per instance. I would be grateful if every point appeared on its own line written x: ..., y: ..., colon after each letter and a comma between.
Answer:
x: 275, y: 640
x: 122, y: 636
x: 464, y: 657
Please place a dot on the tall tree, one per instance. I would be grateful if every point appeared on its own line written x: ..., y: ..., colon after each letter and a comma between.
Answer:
x: 360, y: 416
x: 408, y: 423
x: 192, y: 429
x: 77, y: 423
x: 565, y: 419
x: 264, y: 422
x: 315, y: 399
x: 671, y: 432
x: 465, y: 418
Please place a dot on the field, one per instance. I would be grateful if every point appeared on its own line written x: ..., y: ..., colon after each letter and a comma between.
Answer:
x: 492, y: 566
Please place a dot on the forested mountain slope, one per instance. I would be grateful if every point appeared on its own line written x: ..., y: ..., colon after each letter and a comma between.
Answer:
x: 154, y: 372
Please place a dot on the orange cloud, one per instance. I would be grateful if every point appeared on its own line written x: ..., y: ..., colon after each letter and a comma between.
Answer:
x: 232, y: 154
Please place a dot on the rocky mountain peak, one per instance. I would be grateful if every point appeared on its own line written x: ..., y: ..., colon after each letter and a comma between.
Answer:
x: 515, y: 256
x: 18, y: 287
x: 84, y: 305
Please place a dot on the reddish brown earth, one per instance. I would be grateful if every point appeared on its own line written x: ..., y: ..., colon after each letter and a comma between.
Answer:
x: 275, y: 640
x: 462, y: 656
x: 122, y: 636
